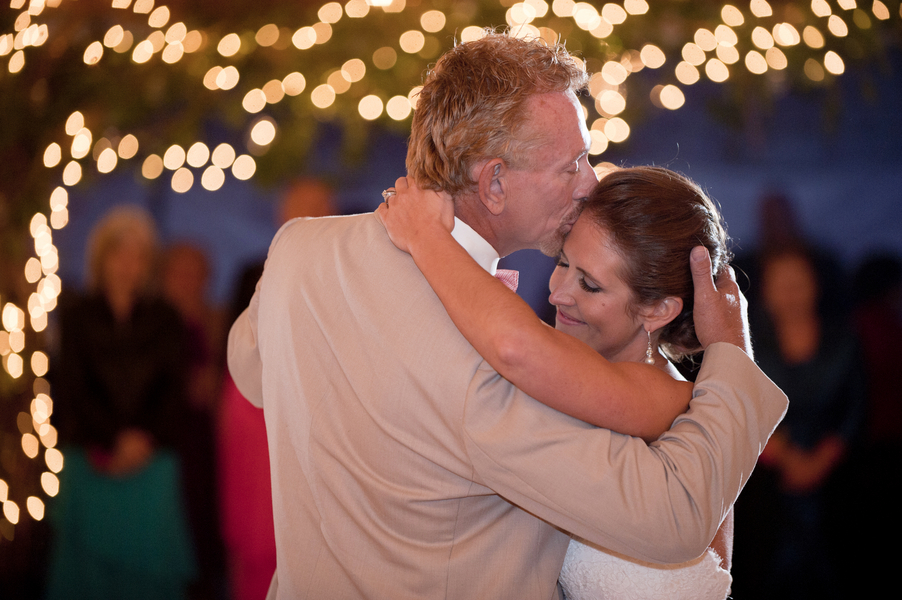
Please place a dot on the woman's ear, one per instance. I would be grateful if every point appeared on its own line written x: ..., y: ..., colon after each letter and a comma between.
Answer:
x: 661, y: 313
x: 493, y: 185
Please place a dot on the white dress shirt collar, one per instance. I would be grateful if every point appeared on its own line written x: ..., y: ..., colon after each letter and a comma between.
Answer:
x: 480, y: 250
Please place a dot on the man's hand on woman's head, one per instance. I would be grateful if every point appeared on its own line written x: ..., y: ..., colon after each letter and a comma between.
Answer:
x: 721, y: 311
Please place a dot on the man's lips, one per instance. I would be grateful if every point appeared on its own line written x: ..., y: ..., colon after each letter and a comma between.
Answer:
x: 566, y: 319
x: 569, y: 222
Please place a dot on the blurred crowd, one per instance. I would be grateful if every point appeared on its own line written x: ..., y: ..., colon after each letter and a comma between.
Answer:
x: 166, y: 490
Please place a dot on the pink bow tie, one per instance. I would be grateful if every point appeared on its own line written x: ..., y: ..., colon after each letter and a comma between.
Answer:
x: 509, y: 277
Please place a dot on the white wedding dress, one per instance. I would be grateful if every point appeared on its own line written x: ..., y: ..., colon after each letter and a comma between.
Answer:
x: 591, y: 573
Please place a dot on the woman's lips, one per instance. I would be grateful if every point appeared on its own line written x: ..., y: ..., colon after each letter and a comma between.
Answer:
x: 565, y: 319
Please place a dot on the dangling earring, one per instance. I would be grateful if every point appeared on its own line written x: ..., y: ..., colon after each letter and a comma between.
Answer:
x: 649, y: 353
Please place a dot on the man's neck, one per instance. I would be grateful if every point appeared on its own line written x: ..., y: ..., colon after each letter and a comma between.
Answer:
x: 479, y: 249
x: 471, y: 212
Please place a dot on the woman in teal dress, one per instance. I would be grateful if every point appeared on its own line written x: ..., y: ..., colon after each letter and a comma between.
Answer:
x: 119, y: 523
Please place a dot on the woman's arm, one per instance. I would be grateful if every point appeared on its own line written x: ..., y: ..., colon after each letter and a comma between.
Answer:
x: 553, y: 367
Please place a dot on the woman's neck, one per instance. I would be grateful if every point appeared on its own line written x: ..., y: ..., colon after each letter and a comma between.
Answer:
x: 121, y: 304
x: 661, y: 362
x: 798, y: 338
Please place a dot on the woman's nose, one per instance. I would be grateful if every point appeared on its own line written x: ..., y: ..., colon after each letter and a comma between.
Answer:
x: 560, y: 295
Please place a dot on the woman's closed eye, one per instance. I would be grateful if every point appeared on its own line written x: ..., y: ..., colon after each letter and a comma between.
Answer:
x: 588, y: 286
x: 585, y: 285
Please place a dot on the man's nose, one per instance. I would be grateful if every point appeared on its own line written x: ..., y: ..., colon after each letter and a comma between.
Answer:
x: 588, y: 181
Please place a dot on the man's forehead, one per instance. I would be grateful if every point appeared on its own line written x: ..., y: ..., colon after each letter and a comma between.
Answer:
x: 558, y: 117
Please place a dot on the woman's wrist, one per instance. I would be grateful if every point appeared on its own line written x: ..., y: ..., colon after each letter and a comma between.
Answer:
x: 431, y: 234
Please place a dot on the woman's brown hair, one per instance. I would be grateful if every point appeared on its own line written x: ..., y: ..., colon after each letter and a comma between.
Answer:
x: 655, y: 217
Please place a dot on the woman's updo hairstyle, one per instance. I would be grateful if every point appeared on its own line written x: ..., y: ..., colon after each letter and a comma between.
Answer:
x: 655, y: 217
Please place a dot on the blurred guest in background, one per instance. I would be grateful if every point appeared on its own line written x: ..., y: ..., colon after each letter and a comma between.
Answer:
x: 779, y: 226
x: 244, y: 482
x: 120, y: 526
x: 185, y: 277
x: 810, y: 351
x: 878, y: 320
x: 306, y: 197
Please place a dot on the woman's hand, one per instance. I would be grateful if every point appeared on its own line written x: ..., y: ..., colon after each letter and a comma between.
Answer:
x: 412, y: 214
x: 133, y: 450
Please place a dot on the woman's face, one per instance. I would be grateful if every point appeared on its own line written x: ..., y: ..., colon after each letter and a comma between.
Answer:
x: 789, y: 286
x: 593, y: 302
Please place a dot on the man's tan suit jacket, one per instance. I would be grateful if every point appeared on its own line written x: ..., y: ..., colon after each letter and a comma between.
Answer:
x: 405, y: 467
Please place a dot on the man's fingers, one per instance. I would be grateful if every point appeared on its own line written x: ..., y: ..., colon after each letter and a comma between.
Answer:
x: 700, y: 263
x: 726, y: 281
x: 728, y: 275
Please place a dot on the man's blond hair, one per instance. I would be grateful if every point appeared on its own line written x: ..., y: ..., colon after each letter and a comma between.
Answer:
x: 472, y: 107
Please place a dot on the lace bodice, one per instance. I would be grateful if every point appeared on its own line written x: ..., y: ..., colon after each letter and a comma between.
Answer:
x: 595, y: 574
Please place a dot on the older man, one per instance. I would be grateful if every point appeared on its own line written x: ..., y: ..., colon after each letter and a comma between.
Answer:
x: 404, y: 466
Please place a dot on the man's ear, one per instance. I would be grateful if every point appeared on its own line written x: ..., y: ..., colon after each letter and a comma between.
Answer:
x: 661, y: 313
x: 493, y: 185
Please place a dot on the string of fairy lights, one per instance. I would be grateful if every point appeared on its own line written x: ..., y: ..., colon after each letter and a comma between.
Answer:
x: 750, y: 41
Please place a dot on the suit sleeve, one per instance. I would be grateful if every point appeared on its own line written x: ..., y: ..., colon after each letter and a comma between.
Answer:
x: 243, y: 354
x: 661, y: 502
x: 244, y: 361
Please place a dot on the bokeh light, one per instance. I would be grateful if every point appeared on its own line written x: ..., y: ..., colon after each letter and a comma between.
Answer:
x: 398, y: 108
x: 174, y: 157
x: 652, y: 56
x: 223, y: 156
x: 52, y: 155
x: 182, y: 180
x: 294, y: 83
x: 198, y: 154
x: 213, y: 178
x: 244, y: 167
x: 263, y: 132
x: 370, y: 107
x: 732, y: 16
x: 152, y: 167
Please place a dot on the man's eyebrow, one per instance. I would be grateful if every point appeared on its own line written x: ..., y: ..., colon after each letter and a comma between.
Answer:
x: 578, y: 157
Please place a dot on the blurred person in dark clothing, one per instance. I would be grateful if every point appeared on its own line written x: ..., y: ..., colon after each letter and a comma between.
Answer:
x: 878, y: 319
x: 120, y: 386
x: 185, y: 276
x: 813, y: 355
x: 875, y: 468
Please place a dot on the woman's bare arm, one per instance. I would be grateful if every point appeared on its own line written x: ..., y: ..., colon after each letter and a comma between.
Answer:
x: 553, y: 367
